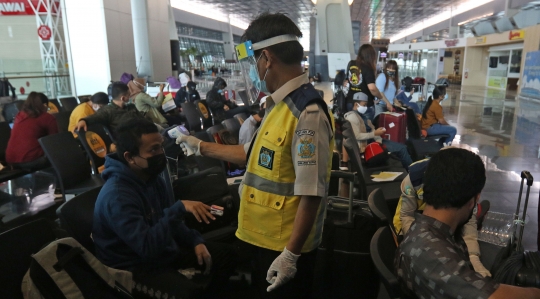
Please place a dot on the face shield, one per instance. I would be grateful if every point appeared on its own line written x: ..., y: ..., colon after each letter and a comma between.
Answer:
x: 245, y: 54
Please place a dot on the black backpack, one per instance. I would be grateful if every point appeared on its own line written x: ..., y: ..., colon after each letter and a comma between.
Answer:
x: 65, y: 269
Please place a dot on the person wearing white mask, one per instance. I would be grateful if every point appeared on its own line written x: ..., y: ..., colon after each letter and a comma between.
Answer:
x: 365, y: 132
x: 433, y: 118
x: 88, y: 108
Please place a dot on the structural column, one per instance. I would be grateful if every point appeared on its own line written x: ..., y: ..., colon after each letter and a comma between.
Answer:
x: 333, y: 34
x: 139, y: 16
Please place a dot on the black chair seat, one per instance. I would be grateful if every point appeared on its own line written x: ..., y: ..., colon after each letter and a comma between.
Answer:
x: 382, y: 249
x: 69, y: 162
x: 94, y: 182
x: 77, y: 217
x: 17, y: 245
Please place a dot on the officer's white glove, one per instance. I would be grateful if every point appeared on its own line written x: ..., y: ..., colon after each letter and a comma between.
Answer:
x: 478, y: 266
x: 284, y: 266
x: 190, y: 145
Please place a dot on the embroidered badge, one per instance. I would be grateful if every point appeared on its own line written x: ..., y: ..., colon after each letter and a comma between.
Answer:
x: 305, y: 132
x: 306, y: 148
x: 266, y: 158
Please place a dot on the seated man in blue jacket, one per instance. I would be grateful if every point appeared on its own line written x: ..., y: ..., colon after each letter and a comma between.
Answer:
x: 138, y: 227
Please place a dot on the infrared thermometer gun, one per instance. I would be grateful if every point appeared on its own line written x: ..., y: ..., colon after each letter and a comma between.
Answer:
x: 178, y: 131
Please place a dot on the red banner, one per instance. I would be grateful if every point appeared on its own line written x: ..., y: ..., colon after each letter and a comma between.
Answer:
x: 24, y: 7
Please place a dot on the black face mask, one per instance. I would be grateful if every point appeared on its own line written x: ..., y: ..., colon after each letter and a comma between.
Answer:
x: 391, y: 74
x: 156, y: 165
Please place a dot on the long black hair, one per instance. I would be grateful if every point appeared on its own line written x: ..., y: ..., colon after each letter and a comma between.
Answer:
x: 437, y: 93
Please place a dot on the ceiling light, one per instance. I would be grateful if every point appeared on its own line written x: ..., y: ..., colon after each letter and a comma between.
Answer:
x: 314, y: 2
x: 349, y: 1
x: 474, y: 19
x: 445, y: 15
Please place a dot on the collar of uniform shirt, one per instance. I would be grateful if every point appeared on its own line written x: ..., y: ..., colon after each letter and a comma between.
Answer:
x: 286, y: 89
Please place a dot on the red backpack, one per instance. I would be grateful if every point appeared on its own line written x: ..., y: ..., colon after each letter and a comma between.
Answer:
x: 375, y: 154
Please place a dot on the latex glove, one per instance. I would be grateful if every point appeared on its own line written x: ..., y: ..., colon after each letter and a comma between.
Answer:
x: 478, y: 266
x: 189, y: 144
x: 284, y: 266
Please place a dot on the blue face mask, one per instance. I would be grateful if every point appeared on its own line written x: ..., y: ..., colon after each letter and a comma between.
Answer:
x: 254, y: 76
x: 220, y: 91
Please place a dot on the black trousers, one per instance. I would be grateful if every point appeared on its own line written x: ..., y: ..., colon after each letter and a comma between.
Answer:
x: 299, y: 287
x: 169, y: 281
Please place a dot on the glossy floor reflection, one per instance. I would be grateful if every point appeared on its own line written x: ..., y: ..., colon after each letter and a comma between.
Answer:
x: 504, y: 129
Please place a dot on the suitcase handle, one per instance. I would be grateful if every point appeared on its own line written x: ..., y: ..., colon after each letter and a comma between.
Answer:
x: 525, y: 175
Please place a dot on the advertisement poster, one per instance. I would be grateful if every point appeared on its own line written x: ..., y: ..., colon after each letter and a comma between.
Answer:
x: 497, y: 82
x: 531, y: 76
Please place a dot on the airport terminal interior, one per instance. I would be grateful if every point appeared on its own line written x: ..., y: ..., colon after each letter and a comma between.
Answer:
x: 189, y: 68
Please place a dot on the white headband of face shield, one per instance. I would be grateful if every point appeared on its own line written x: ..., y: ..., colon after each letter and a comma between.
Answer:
x: 274, y: 40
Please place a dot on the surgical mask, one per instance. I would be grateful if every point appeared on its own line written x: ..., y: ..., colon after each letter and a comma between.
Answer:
x: 254, y: 76
x: 144, y: 89
x: 361, y: 109
x: 220, y: 91
x: 156, y: 165
x: 313, y: 83
x: 445, y: 97
x: 391, y: 74
x: 95, y: 107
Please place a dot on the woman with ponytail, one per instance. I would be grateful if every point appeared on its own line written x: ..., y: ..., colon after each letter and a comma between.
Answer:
x: 433, y: 118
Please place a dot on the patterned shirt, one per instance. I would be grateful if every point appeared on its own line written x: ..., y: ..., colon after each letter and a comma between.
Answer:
x: 433, y: 263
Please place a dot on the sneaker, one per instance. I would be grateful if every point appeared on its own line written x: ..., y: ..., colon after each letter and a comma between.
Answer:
x: 481, y: 210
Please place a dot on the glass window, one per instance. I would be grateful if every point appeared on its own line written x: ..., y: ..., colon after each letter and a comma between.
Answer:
x: 237, y: 39
x: 189, y: 30
x: 207, y: 51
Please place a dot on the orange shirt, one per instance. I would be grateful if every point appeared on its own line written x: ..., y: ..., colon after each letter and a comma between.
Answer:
x: 434, y: 114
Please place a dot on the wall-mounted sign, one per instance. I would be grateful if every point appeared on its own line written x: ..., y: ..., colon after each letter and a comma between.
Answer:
x: 480, y: 40
x: 26, y: 7
x: 516, y: 34
x: 530, y: 83
x: 451, y: 42
x: 44, y: 32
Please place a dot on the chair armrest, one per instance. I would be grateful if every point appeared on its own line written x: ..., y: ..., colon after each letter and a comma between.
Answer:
x: 340, y: 174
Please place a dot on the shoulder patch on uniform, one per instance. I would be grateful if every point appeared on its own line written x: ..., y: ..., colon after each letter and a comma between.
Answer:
x: 312, y: 108
x: 306, y: 148
x: 266, y: 158
x: 305, y: 132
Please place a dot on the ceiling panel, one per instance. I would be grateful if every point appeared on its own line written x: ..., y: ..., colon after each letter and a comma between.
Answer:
x: 378, y: 18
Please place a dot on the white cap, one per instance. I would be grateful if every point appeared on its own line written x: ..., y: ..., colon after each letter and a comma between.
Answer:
x: 263, y: 100
x: 184, y: 79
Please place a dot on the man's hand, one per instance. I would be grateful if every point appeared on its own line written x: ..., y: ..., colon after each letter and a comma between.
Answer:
x: 161, y: 87
x: 199, y: 210
x: 389, y: 107
x: 397, y: 103
x: 189, y: 143
x: 412, y: 91
x: 478, y: 266
x: 225, y: 107
x: 282, y: 269
x: 80, y: 125
x: 203, y: 255
x: 379, y: 132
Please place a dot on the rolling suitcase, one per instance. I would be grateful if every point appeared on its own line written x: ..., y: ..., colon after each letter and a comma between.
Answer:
x: 513, y: 265
x: 344, y: 267
x: 395, y: 125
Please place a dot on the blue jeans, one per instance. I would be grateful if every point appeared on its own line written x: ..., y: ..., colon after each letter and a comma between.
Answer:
x: 438, y: 129
x: 380, y: 108
x: 399, y: 150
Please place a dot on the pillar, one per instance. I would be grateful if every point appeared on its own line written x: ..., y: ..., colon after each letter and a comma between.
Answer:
x: 228, y: 42
x: 143, y: 56
x: 100, y: 51
x: 334, y: 34
x: 175, y: 44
